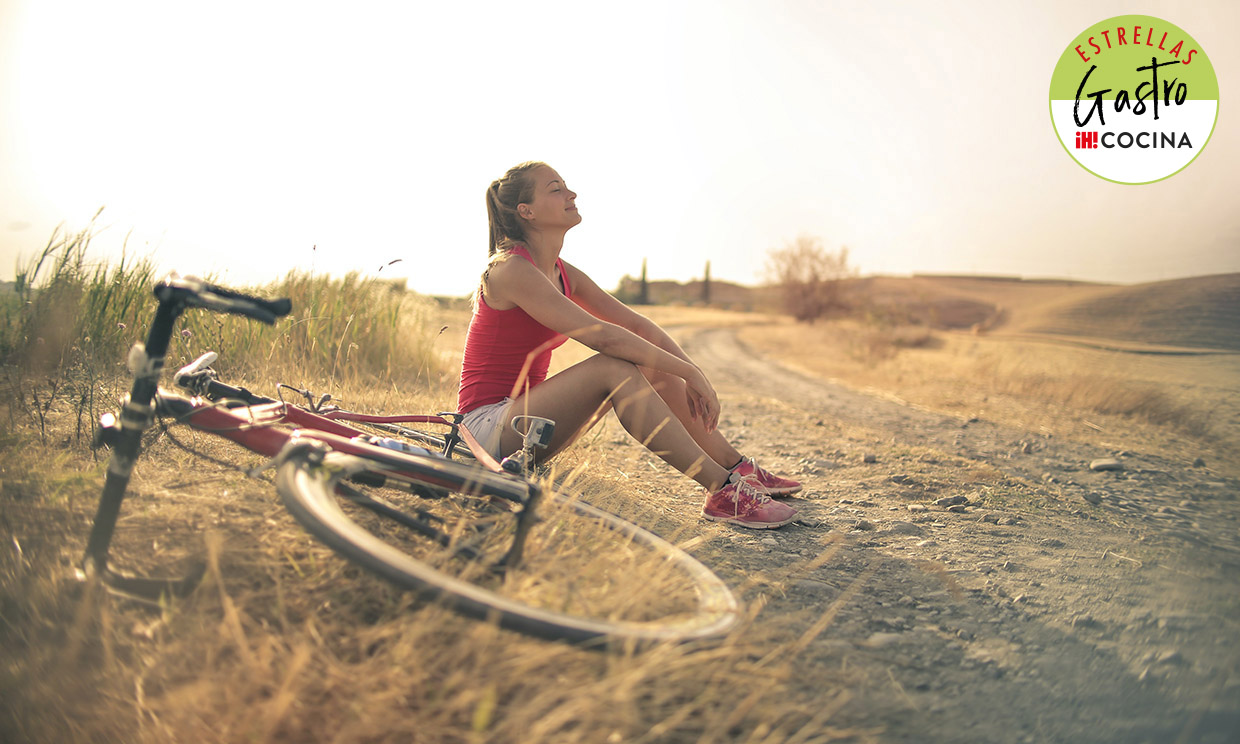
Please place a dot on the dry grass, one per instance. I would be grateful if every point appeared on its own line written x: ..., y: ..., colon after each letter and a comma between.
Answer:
x: 873, y: 344
x: 284, y: 641
x: 1180, y: 403
x: 1108, y: 392
x: 66, y: 329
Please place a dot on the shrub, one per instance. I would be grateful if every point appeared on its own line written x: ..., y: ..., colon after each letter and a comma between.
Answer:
x: 809, y: 278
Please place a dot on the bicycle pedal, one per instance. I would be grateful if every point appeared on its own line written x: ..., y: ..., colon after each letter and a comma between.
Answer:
x: 539, y: 433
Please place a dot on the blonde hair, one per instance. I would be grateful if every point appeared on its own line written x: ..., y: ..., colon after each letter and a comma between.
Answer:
x: 503, y: 196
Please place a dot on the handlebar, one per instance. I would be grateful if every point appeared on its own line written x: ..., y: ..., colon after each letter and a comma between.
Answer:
x: 198, y: 378
x: 193, y: 292
x: 175, y: 294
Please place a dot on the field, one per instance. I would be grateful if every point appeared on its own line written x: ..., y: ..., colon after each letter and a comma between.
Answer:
x: 1054, y: 603
x: 1152, y: 365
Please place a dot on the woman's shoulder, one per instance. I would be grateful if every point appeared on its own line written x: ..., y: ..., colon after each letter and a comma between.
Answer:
x: 505, y: 277
x: 502, y: 259
x: 503, y: 256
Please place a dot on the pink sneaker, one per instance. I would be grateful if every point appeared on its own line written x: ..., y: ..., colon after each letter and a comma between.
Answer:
x: 774, y: 485
x: 740, y: 502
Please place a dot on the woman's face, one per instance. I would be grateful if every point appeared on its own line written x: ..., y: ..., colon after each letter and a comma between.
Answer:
x: 553, y: 204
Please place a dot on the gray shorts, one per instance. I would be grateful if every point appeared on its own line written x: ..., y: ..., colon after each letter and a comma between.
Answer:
x: 486, y: 423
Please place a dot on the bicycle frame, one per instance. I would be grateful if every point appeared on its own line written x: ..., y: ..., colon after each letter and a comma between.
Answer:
x: 199, y: 378
x: 268, y: 429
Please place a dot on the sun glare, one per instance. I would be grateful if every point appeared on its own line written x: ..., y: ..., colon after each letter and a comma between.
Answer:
x: 267, y: 129
x: 237, y: 138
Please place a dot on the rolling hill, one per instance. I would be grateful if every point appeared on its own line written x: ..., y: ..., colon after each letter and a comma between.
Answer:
x: 1195, y: 313
x: 1202, y: 312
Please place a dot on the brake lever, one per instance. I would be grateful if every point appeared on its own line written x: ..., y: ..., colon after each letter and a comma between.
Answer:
x: 199, y: 367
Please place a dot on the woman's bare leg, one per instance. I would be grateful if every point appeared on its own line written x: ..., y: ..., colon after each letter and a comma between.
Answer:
x: 672, y: 390
x: 578, y: 397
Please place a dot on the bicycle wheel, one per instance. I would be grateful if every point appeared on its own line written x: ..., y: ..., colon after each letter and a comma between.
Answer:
x: 441, y: 529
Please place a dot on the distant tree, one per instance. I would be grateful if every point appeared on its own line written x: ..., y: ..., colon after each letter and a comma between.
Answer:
x: 809, y: 277
x: 643, y: 295
x: 706, y: 286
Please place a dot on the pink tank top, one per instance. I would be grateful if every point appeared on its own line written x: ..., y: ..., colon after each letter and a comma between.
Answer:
x: 497, y: 346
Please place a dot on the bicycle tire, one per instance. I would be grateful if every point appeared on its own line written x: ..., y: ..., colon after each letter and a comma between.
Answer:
x: 311, y: 482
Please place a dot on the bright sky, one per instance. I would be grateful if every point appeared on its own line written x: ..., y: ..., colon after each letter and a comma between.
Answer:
x: 232, y: 137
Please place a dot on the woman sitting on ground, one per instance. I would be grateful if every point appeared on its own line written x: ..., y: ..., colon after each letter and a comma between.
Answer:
x: 530, y: 300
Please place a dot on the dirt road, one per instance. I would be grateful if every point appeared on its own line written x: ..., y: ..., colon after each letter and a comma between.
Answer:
x: 991, y: 587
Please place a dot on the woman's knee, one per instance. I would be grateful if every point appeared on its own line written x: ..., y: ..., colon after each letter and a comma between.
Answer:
x: 662, y: 382
x: 615, y: 374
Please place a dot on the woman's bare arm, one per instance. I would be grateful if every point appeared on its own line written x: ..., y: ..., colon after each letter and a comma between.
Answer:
x: 520, y: 283
x: 601, y: 304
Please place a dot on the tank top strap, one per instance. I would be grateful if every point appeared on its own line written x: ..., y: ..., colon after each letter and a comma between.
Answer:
x: 524, y: 252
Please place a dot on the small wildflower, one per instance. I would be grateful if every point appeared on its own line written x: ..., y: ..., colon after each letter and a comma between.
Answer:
x: 186, y: 333
x: 121, y: 326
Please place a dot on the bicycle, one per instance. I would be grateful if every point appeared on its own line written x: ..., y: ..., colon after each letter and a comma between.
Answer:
x: 200, y: 378
x: 485, y: 539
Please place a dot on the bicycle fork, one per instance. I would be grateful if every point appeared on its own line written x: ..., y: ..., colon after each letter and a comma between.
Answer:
x: 146, y: 362
x: 124, y: 437
x: 525, y: 519
x: 537, y: 436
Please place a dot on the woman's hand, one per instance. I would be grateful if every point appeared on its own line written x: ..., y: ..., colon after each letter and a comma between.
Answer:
x: 703, y: 402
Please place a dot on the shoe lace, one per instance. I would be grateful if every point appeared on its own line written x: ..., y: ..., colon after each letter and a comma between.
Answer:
x: 749, y: 486
x: 757, y: 472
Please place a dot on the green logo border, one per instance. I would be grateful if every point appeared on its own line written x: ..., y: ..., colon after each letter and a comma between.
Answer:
x: 1066, y: 60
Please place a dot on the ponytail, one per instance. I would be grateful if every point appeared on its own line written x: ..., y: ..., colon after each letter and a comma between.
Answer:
x: 503, y: 196
x: 495, y: 219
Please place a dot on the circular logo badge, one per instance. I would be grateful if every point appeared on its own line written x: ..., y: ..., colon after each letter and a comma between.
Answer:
x: 1134, y: 99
